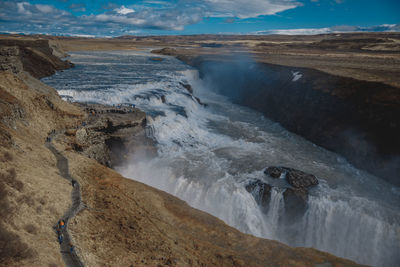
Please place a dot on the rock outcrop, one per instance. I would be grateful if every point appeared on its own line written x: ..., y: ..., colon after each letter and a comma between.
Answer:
x: 295, y: 178
x: 109, y: 133
x: 295, y: 194
x: 188, y: 87
x: 33, y: 56
x: 274, y: 172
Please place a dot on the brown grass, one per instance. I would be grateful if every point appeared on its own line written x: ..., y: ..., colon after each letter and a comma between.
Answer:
x: 5, y: 138
x: 6, y: 157
x: 10, y: 178
x: 12, y: 249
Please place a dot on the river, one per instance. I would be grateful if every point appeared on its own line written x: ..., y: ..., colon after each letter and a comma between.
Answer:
x: 207, y: 154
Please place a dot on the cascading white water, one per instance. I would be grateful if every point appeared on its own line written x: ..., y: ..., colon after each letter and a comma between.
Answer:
x: 207, y: 155
x: 275, y: 211
x: 345, y: 228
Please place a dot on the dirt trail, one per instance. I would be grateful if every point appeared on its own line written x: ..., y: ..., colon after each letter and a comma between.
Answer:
x: 69, y: 254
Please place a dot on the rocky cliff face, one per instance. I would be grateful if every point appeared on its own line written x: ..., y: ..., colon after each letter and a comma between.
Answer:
x: 356, y: 119
x: 110, y: 134
x: 34, y: 56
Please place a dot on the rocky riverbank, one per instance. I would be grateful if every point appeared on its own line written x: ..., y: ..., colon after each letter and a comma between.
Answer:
x: 124, y: 222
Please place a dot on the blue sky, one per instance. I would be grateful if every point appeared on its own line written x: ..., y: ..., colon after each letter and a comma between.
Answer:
x: 153, y: 17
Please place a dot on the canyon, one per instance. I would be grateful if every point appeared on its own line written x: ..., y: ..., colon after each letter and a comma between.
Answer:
x: 125, y: 222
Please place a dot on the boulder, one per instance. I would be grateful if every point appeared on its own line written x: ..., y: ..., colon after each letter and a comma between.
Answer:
x: 299, y: 179
x: 187, y: 86
x: 274, y: 172
x: 81, y: 136
x: 295, y: 178
x: 261, y: 192
x: 108, y: 132
x: 296, y: 195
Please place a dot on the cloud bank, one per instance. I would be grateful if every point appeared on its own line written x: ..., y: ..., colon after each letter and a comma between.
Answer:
x: 335, y: 29
x: 147, y: 15
x: 115, y: 20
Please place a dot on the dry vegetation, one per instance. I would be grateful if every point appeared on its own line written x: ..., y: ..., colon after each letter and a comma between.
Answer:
x: 33, y: 196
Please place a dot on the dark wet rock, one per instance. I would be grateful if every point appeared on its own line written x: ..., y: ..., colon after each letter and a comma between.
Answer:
x: 188, y: 87
x: 295, y: 202
x: 300, y: 179
x: 296, y: 195
x: 274, y: 172
x: 295, y: 178
x: 201, y: 103
x: 261, y: 192
x: 165, y: 51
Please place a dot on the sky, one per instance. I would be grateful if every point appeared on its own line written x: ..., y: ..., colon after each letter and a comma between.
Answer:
x: 177, y: 17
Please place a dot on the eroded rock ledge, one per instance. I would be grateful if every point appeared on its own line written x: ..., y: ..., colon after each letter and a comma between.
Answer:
x: 37, y: 57
x: 111, y: 133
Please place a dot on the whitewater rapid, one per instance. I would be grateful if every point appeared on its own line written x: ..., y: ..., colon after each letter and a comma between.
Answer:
x: 207, y: 154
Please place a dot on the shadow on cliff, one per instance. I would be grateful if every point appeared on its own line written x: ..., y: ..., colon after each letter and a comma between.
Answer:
x: 356, y: 119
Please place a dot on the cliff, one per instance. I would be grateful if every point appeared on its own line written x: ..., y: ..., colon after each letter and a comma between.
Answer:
x: 123, y: 222
x: 37, y: 57
x: 355, y: 118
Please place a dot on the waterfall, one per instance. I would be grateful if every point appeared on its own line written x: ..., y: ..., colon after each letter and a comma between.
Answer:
x: 206, y: 156
x: 275, y: 211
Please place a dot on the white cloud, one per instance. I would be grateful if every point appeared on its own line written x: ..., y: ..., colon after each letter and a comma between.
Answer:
x: 309, y: 31
x: 249, y: 8
x: 19, y: 16
x: 145, y: 14
x: 120, y: 19
x: 84, y: 35
x: 45, y: 8
x: 21, y: 8
x: 334, y: 29
x: 123, y: 10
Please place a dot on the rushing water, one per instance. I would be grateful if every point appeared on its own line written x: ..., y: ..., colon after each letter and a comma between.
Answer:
x: 207, y: 154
